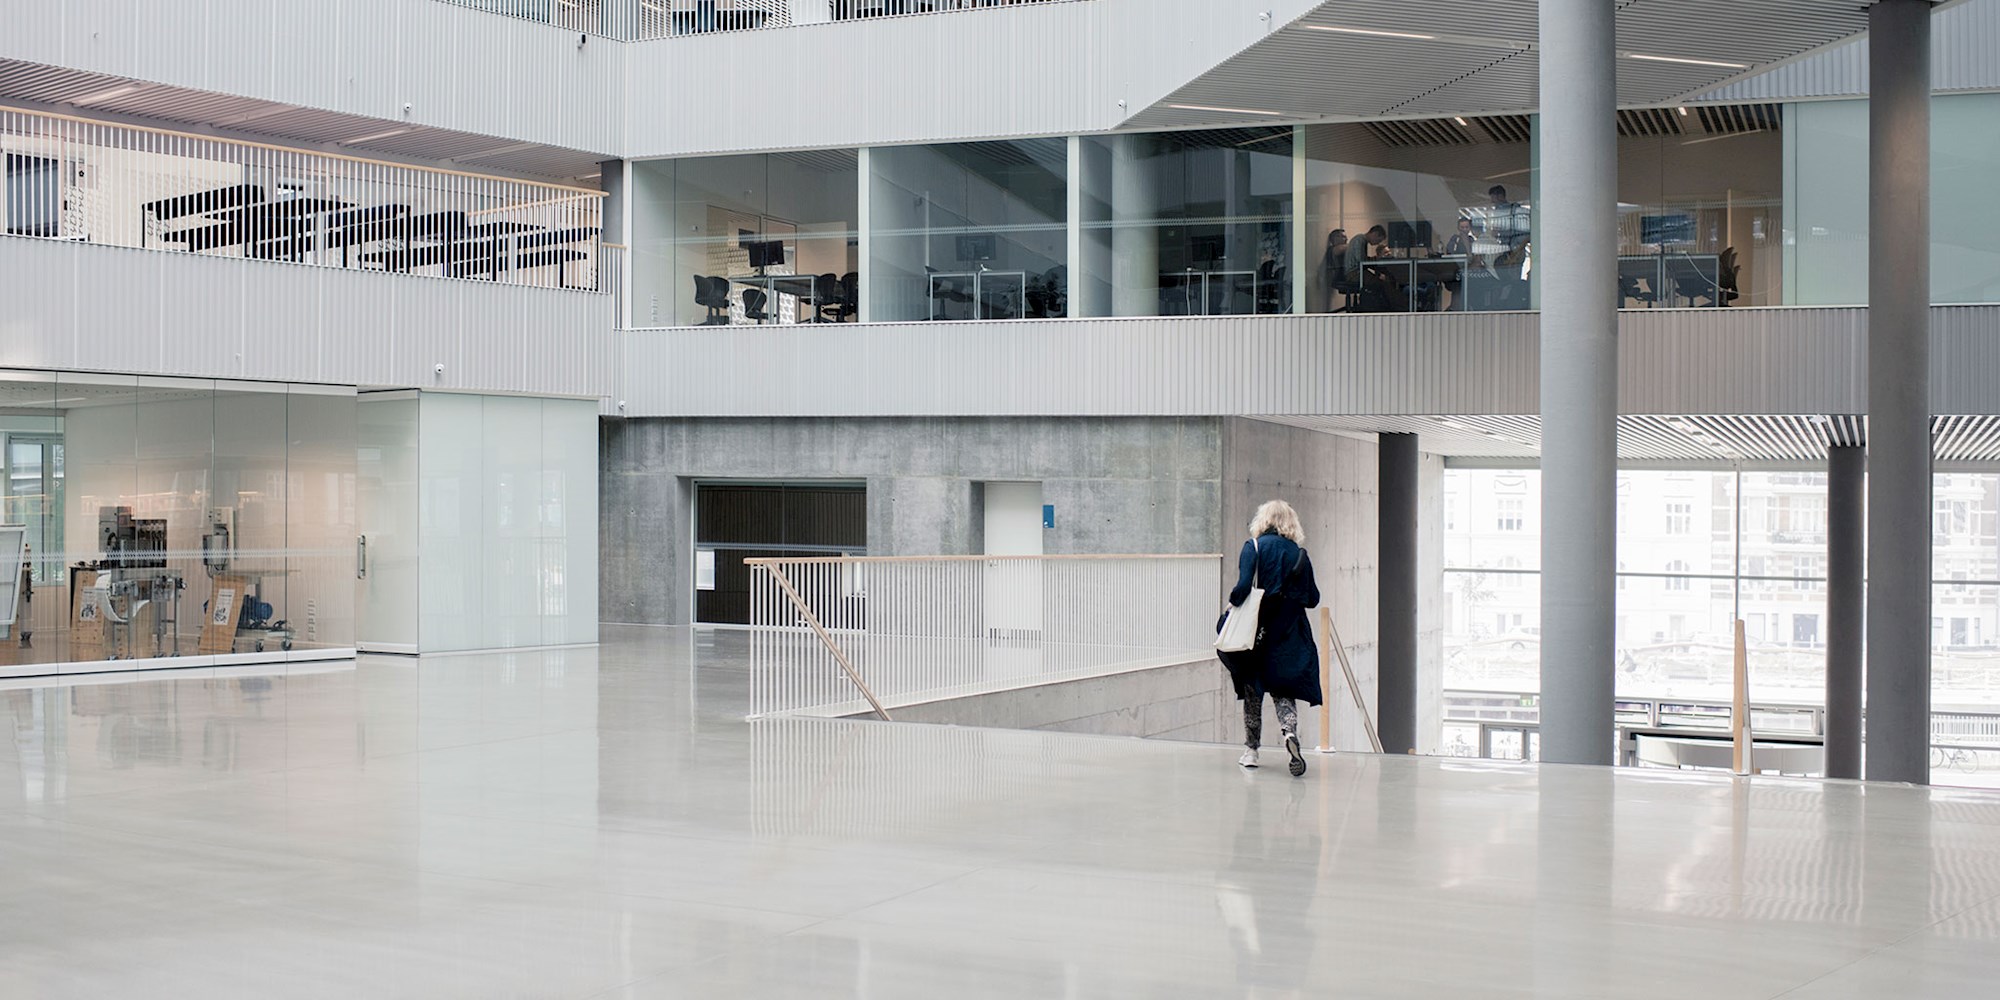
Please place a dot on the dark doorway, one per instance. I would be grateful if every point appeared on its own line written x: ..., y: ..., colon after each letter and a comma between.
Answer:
x: 735, y: 521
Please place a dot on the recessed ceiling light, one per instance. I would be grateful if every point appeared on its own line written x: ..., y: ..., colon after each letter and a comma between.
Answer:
x: 1227, y: 111
x: 1462, y: 123
x: 1683, y: 111
x: 1372, y: 33
x: 378, y: 135
x: 1677, y: 60
x: 105, y: 95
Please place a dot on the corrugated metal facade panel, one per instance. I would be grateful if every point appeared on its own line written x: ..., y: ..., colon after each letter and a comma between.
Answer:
x: 1674, y: 362
x: 457, y: 68
x: 1965, y: 355
x: 1963, y: 40
x: 1031, y: 70
x: 1243, y: 365
x: 1743, y: 361
x: 145, y: 312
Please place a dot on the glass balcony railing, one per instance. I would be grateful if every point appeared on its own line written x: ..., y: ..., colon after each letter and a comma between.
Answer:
x: 86, y: 181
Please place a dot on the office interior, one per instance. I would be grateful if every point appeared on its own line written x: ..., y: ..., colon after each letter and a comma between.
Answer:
x: 1718, y: 206
x: 189, y: 520
x: 975, y: 230
x: 766, y: 238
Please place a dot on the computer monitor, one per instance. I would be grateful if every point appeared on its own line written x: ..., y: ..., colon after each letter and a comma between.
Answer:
x: 1666, y: 230
x: 766, y: 253
x: 1207, y: 249
x: 1409, y: 235
x: 978, y: 247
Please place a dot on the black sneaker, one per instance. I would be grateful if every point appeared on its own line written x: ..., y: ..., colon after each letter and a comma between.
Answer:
x: 1298, y: 759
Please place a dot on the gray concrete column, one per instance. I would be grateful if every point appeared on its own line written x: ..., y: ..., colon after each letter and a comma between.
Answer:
x: 1899, y: 410
x: 1576, y: 254
x: 1846, y: 568
x: 1135, y: 232
x: 1396, y: 606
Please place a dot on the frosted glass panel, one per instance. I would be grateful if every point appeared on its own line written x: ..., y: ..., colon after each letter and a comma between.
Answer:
x: 451, y: 596
x: 321, y: 523
x: 1965, y: 214
x: 511, y: 488
x: 569, y: 521
x: 1828, y: 221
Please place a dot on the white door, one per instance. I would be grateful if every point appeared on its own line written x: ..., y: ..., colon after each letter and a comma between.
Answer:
x: 1013, y: 586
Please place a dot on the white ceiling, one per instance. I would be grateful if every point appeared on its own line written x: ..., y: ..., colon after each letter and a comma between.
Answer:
x: 1468, y: 57
x: 120, y: 98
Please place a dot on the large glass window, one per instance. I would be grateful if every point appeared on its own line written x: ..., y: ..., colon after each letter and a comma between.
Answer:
x: 975, y: 230
x: 176, y: 517
x: 763, y: 238
x: 1192, y: 223
x: 1419, y: 215
x: 1700, y: 195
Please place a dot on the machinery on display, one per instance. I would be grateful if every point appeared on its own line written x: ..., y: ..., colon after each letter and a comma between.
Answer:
x: 134, y: 585
x: 254, y: 627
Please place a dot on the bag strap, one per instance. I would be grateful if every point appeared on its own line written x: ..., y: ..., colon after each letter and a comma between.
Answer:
x: 1287, y: 578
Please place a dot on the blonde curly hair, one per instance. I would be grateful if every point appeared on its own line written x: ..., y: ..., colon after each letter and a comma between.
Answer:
x: 1277, y: 515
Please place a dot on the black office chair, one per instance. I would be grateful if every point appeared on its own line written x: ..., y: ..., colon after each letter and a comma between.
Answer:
x: 1727, y: 279
x: 753, y: 305
x: 713, y: 293
x: 1274, y: 294
x: 845, y: 300
x: 1048, y: 294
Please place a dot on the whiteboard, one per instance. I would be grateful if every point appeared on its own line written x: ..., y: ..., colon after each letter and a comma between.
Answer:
x: 13, y: 549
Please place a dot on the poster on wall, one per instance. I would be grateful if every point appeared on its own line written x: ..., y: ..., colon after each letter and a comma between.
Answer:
x: 218, y: 632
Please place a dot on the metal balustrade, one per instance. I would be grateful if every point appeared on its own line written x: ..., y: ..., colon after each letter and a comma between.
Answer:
x: 641, y: 20
x: 842, y: 635
x: 1505, y: 724
x: 72, y: 178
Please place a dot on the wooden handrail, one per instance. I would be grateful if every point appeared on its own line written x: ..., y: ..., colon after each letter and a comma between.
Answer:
x: 785, y: 584
x: 822, y: 560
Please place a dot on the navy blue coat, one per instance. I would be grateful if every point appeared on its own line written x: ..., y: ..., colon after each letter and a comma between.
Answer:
x: 1285, y: 662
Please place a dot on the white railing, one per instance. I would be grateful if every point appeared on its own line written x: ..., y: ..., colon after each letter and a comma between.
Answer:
x: 76, y: 179
x: 641, y: 20
x: 844, y: 635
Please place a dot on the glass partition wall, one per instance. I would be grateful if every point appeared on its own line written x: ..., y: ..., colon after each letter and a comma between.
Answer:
x: 975, y: 230
x: 1718, y: 205
x: 1192, y: 223
x: 174, y: 518
x: 763, y: 238
x: 1420, y: 215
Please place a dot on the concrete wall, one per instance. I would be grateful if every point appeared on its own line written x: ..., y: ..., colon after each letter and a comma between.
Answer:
x: 1333, y: 482
x: 1119, y: 485
x: 1189, y: 701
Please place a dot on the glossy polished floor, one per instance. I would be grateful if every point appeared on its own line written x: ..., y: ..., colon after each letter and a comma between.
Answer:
x: 602, y: 823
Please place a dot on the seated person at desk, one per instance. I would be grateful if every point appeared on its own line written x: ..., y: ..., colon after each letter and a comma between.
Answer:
x: 1333, y: 266
x: 1461, y: 242
x: 1380, y: 291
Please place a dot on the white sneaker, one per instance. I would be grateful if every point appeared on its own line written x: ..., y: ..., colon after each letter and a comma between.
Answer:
x: 1249, y: 758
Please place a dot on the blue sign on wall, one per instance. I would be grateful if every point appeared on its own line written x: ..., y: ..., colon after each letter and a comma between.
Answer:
x: 1048, y: 515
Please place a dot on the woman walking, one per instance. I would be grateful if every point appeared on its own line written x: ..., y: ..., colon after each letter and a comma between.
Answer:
x: 1285, y: 661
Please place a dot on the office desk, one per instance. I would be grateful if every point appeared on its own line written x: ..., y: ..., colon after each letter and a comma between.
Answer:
x: 1193, y: 293
x: 803, y: 288
x: 986, y: 294
x: 1414, y: 271
x: 1664, y: 272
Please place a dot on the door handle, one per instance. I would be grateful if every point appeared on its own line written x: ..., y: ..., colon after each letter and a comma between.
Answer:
x: 361, y: 557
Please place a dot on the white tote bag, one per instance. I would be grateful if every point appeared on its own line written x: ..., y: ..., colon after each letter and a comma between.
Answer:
x: 1239, y: 630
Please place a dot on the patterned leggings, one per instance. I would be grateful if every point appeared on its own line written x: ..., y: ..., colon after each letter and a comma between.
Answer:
x: 1253, y: 719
